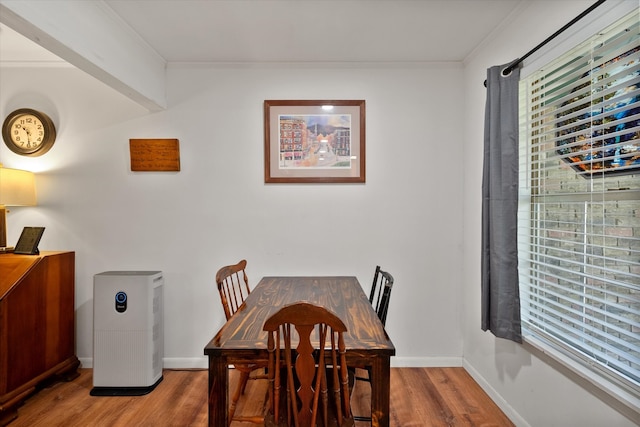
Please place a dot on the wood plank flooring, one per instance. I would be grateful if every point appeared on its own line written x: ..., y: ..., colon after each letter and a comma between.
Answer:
x: 424, y: 397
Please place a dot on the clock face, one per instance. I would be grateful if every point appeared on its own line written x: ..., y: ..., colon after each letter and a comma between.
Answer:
x: 28, y: 132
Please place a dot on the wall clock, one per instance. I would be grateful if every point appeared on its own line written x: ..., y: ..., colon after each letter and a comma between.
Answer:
x: 28, y: 132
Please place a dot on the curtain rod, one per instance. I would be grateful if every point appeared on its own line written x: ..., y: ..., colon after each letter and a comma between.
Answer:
x: 517, y: 61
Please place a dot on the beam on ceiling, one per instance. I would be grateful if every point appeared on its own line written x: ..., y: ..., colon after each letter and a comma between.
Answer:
x: 90, y: 36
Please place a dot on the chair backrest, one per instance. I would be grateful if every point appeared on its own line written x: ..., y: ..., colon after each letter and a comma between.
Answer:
x: 381, y: 293
x: 318, y: 362
x: 233, y: 286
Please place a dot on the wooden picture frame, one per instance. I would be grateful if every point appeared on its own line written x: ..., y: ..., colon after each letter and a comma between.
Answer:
x: 29, y: 240
x: 314, y: 141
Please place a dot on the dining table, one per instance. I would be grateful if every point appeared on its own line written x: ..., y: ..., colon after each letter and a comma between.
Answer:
x: 242, y: 340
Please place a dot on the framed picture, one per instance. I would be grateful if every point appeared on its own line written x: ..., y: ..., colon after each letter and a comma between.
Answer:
x: 29, y: 240
x: 314, y: 141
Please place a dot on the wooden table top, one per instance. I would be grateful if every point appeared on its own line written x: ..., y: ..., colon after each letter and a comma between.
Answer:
x: 341, y: 294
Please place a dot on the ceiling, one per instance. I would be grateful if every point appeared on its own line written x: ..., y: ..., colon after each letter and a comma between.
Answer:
x: 297, y: 30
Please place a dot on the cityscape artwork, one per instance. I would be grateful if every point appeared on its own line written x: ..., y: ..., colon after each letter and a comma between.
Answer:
x: 315, y: 141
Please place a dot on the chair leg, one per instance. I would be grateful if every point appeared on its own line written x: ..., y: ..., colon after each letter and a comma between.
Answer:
x: 355, y: 381
x: 244, y: 379
x: 242, y: 384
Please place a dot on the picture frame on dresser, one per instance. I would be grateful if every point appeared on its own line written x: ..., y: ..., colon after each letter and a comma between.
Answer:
x: 29, y: 241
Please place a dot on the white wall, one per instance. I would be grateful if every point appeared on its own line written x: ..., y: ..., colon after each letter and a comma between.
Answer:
x: 217, y: 209
x: 418, y: 215
x: 532, y: 389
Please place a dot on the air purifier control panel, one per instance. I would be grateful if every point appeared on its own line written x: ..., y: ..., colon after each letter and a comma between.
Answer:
x: 121, y: 302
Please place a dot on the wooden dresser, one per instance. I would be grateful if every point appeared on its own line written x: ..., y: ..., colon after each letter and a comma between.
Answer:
x: 37, y: 327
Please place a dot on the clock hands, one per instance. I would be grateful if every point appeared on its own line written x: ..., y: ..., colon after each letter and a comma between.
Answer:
x: 27, y: 131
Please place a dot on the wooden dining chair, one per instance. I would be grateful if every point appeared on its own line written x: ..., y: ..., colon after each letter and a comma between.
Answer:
x: 233, y: 286
x: 301, y: 381
x: 379, y: 298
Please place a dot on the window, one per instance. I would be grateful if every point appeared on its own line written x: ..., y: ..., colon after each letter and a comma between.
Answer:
x: 579, y: 208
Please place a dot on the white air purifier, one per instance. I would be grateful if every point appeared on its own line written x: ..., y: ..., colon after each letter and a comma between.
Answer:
x: 128, y: 332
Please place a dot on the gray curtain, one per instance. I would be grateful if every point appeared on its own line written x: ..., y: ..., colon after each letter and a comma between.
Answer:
x: 500, y: 294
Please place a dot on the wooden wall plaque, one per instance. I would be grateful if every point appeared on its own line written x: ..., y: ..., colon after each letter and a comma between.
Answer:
x: 148, y: 155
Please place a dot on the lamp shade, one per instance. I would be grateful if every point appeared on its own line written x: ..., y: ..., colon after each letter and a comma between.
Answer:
x: 17, y: 187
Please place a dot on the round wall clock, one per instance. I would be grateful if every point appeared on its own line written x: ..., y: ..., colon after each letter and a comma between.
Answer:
x: 28, y: 132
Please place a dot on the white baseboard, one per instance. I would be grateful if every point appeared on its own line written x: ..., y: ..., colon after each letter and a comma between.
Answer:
x: 426, y: 362
x: 396, y: 362
x: 495, y: 396
x: 86, y: 362
x: 186, y: 362
x: 168, y: 362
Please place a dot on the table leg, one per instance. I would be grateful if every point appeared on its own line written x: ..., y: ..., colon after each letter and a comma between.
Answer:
x: 380, y: 391
x: 218, y: 385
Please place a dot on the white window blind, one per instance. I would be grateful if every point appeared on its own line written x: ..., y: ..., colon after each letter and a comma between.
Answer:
x: 579, y: 210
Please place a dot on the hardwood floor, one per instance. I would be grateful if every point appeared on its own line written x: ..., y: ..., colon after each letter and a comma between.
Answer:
x: 421, y: 397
